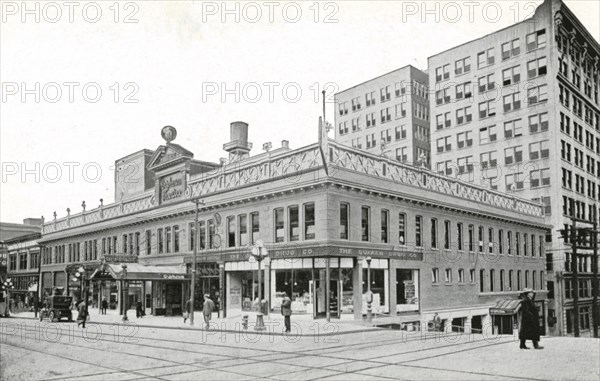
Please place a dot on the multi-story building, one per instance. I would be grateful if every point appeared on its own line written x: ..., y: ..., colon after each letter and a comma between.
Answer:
x: 387, y: 115
x: 24, y: 266
x: 518, y: 111
x: 336, y: 221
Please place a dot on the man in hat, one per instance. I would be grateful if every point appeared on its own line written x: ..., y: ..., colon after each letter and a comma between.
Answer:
x: 529, y: 329
x: 207, y: 309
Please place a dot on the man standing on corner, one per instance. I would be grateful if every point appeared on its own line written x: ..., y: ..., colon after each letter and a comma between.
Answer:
x: 529, y: 329
x: 286, y: 311
x: 207, y: 309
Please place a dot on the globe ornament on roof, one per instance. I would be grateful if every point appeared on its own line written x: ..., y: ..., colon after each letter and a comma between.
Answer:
x: 169, y: 133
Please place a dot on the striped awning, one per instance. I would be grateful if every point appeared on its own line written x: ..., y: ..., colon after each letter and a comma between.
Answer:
x: 506, y: 307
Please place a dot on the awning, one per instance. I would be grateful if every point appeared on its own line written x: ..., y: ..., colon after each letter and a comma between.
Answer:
x: 506, y: 307
x: 135, y: 271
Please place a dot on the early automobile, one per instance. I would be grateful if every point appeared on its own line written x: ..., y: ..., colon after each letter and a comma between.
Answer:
x: 57, y: 307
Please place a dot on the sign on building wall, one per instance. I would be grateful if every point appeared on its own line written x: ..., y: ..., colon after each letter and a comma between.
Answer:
x: 172, y: 187
x: 115, y: 258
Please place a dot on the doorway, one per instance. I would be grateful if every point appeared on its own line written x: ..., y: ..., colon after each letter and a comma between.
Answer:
x: 320, y: 307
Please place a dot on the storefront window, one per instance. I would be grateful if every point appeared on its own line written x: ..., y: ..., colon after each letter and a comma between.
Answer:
x: 344, y: 220
x: 279, y: 225
x: 377, y: 288
x: 296, y: 284
x: 347, y: 291
x: 294, y: 223
x: 407, y: 290
x: 309, y: 221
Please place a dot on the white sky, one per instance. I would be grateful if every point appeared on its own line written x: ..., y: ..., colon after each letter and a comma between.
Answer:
x: 170, y: 53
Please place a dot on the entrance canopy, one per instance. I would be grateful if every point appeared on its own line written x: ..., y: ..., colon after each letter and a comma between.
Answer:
x: 136, y: 271
x: 506, y: 307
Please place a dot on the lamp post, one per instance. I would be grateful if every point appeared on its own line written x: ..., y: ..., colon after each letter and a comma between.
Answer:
x: 8, y: 285
x: 258, y: 254
x: 369, y: 292
x: 198, y: 202
x: 124, y: 275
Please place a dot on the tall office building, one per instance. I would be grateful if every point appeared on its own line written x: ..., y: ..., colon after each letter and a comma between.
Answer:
x: 518, y: 111
x: 387, y: 115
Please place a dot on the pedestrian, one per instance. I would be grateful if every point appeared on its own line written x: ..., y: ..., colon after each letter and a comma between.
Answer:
x: 437, y: 323
x: 529, y: 329
x: 139, y: 310
x: 104, y: 306
x: 286, y: 311
x: 82, y: 314
x: 207, y: 309
x: 187, y: 311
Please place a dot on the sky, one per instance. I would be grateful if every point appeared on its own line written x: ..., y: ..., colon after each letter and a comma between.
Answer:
x: 86, y: 83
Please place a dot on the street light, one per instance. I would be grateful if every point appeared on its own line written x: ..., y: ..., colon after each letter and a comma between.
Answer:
x: 80, y: 275
x: 8, y: 285
x: 258, y: 254
x: 124, y: 275
x: 369, y: 293
x: 198, y: 202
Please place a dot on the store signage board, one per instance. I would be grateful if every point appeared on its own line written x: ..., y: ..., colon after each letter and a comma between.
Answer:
x: 115, y: 258
x: 172, y: 187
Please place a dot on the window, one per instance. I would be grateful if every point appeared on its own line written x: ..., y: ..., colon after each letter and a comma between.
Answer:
x: 501, y: 280
x: 371, y: 142
x: 231, y: 231
x: 471, y: 237
x: 490, y: 240
x: 510, y: 49
x: 447, y: 235
x: 435, y: 275
x: 509, y: 243
x: 488, y: 160
x: 356, y: 104
x: 517, y: 243
x: 418, y: 227
x: 471, y: 276
x: 137, y: 244
x: 243, y: 230
x: 385, y: 216
x: 385, y: 115
x: 525, y: 247
x: 487, y: 134
x: 510, y: 280
x: 344, y: 214
x: 480, y: 238
x: 448, y: 275
x: 533, y: 280
x: 487, y: 109
x: 465, y: 164
x: 149, y: 242
x: 519, y: 280
x: 492, y: 276
x: 462, y: 66
x: 539, y: 178
x: 486, y: 83
x: 536, y: 40
x: 463, y: 90
x: 384, y: 93
x: 481, y: 280
x: 159, y: 235
x: 434, y: 233
x: 537, y: 94
x: 513, y: 129
x: 365, y: 222
x: 463, y: 115
x: 464, y: 139
x: 279, y: 225
x: 168, y: 239
x: 459, y: 235
x: 125, y: 246
x: 402, y: 228
x: 400, y: 132
x: 526, y: 278
x: 501, y: 241
x: 536, y: 68
x: 309, y: 221
x: 294, y: 223
x: 444, y: 144
x: 442, y: 96
x: 511, y: 102
x: 538, y: 123
x: 369, y: 99
x: 343, y: 108
x: 511, y: 76
x: 201, y: 235
x: 513, y: 155
x: 255, y: 222
x: 402, y: 154
x: 485, y: 58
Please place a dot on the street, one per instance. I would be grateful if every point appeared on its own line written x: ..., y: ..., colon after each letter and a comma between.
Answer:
x: 48, y: 351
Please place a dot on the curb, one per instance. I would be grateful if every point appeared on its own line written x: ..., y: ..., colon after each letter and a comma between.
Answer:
x: 245, y: 331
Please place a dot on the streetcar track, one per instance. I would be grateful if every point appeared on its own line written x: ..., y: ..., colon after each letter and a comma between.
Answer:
x: 276, y: 361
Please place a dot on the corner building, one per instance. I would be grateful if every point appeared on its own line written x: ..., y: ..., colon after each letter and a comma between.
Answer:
x: 518, y: 111
x: 321, y: 211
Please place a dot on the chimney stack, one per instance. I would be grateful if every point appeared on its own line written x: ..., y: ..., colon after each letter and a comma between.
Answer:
x: 238, y: 146
x: 285, y: 144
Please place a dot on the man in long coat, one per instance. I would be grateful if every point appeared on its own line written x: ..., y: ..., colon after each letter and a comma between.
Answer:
x: 82, y: 313
x: 529, y: 329
x: 286, y: 311
x: 207, y: 309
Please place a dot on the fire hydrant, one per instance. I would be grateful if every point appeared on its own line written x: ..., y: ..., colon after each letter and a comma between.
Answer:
x: 245, y: 321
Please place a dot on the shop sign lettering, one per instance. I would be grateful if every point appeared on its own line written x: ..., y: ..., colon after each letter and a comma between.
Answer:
x: 173, y: 276
x: 171, y: 187
x: 120, y: 258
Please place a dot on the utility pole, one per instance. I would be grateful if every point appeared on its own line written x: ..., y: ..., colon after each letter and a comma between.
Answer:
x: 198, y: 202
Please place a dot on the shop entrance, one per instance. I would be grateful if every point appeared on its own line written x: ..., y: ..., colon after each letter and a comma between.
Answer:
x: 320, y: 305
x: 504, y: 324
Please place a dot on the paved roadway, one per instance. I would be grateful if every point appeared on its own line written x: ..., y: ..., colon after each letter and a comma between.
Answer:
x: 30, y: 350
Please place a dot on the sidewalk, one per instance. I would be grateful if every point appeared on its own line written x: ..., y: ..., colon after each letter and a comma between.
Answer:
x: 302, y: 325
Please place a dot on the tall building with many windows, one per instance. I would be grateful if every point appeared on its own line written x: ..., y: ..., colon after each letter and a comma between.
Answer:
x: 387, y: 115
x: 518, y: 111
